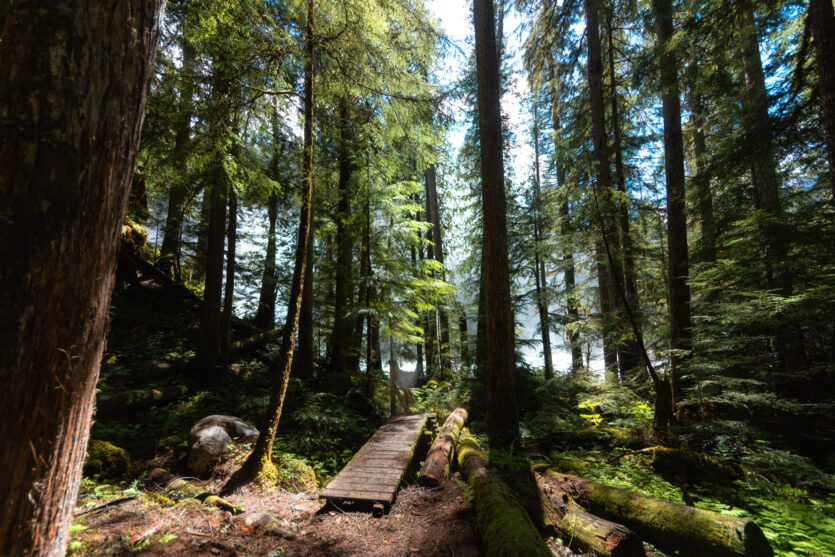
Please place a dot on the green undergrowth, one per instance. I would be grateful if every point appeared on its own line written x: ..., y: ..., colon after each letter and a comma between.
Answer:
x: 798, y: 521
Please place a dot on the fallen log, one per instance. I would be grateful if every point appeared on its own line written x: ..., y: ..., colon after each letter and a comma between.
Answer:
x: 436, y: 466
x: 175, y: 484
x: 587, y: 532
x: 251, y: 344
x: 669, y: 526
x: 682, y: 465
x: 505, y: 528
x: 109, y: 404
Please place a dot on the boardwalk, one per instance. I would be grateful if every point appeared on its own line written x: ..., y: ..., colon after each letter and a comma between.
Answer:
x: 373, y: 476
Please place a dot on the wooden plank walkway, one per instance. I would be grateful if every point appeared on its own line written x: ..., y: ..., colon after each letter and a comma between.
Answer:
x: 376, y: 471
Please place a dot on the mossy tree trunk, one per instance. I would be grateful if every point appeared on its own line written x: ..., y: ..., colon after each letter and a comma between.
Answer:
x: 73, y: 83
x: 437, y: 463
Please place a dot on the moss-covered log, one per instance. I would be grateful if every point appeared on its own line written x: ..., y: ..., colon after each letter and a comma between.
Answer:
x: 587, y: 532
x: 106, y: 460
x: 505, y: 528
x: 681, y: 465
x: 110, y: 404
x: 669, y: 526
x: 175, y: 485
x: 436, y: 466
x: 252, y: 344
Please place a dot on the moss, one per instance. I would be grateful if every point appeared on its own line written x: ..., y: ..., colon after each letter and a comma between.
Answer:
x: 106, y: 460
x: 134, y: 233
x: 605, y: 436
x: 295, y: 473
x: 158, y: 499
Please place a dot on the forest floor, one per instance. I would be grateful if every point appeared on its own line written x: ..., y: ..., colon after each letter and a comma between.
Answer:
x: 422, y: 521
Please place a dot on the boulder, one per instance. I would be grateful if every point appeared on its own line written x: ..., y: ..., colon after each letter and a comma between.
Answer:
x: 106, y: 460
x: 266, y: 523
x: 209, y: 439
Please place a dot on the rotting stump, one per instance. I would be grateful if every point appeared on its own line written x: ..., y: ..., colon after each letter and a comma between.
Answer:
x: 373, y: 476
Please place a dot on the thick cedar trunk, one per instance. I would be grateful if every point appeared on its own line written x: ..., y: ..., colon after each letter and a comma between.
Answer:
x: 419, y: 372
x: 604, y: 297
x: 65, y: 79
x: 822, y: 18
x: 431, y: 336
x: 701, y: 181
x: 343, y: 325
x: 229, y: 287
x: 259, y: 464
x: 757, y: 126
x: 481, y: 328
x: 679, y: 291
x: 265, y: 316
x: 434, y: 216
x: 567, y: 265
x: 630, y: 352
x: 503, y: 524
x: 202, y: 236
x: 502, y: 418
x: 170, y: 250
x: 464, y: 342
x: 603, y: 192
x: 669, y: 526
x: 437, y: 462
x: 539, y: 261
x: 373, y: 358
x: 209, y: 335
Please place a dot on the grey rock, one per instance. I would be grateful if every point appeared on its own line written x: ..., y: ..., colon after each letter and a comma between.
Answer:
x: 209, y: 439
x: 235, y: 427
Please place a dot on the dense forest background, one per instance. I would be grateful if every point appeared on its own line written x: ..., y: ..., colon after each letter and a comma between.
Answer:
x: 607, y: 229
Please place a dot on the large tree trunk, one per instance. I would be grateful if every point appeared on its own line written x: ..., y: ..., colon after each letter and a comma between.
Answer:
x: 265, y: 315
x: 539, y: 260
x: 430, y: 318
x: 343, y: 325
x: 437, y: 462
x: 669, y: 526
x: 567, y: 256
x: 504, y: 526
x: 259, y: 465
x: 701, y: 180
x: 434, y: 216
x: 202, y: 236
x: 604, y: 298
x: 481, y: 327
x: 630, y: 352
x: 603, y: 192
x: 502, y: 418
x: 464, y: 342
x: 304, y: 361
x: 229, y: 287
x: 207, y: 352
x: 679, y: 291
x: 822, y: 18
x: 170, y: 250
x: 73, y: 84
x: 757, y: 126
x: 419, y: 371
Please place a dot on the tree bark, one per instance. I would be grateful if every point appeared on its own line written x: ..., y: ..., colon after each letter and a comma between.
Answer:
x: 265, y: 315
x: 481, y: 327
x: 503, y: 524
x: 202, y: 236
x: 430, y: 318
x: 502, y: 418
x: 757, y: 126
x: 343, y: 324
x: 304, y: 362
x: 259, y: 465
x: 669, y: 526
x: 437, y: 462
x: 207, y: 352
x: 603, y: 194
x: 679, y: 291
x: 464, y: 342
x: 434, y: 216
x: 169, y: 262
x: 539, y: 261
x: 604, y: 298
x: 701, y: 180
x: 73, y: 85
x: 822, y: 18
x: 567, y: 265
x: 229, y: 287
x: 419, y: 371
x: 630, y: 352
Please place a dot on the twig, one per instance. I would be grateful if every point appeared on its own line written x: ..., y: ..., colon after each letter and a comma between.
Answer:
x: 105, y: 505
